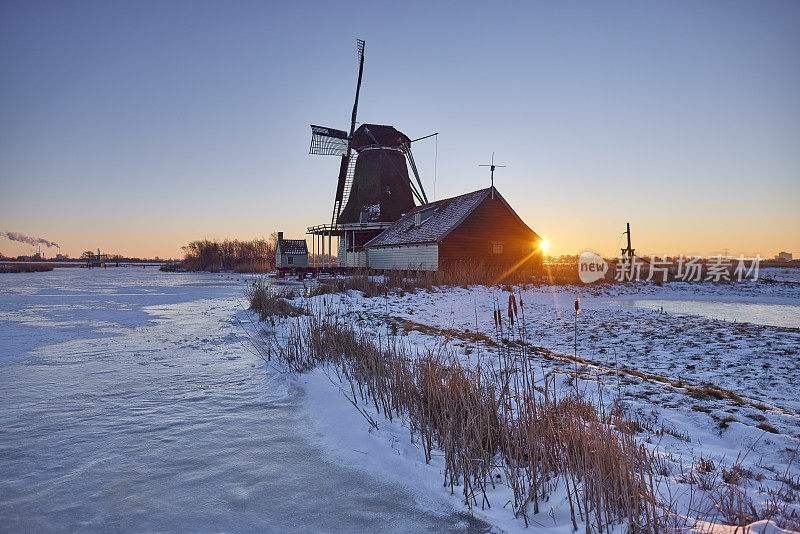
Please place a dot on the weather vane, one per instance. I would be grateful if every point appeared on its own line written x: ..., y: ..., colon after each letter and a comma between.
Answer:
x: 492, y: 166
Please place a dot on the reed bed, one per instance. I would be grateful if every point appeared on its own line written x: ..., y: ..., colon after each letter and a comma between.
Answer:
x: 479, y: 272
x: 455, y: 274
x: 501, y: 417
x: 502, y: 420
x: 359, y: 281
x: 26, y: 268
x: 269, y: 304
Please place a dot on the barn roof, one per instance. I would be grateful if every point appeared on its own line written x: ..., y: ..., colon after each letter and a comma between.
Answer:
x: 447, y: 215
x: 293, y: 246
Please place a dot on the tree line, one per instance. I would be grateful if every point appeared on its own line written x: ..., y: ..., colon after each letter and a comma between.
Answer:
x: 256, y: 255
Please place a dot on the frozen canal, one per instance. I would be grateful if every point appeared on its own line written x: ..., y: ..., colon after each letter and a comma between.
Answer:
x: 131, y: 402
x: 768, y: 314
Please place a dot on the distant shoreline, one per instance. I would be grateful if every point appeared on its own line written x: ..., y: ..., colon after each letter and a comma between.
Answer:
x: 13, y: 266
x: 78, y: 263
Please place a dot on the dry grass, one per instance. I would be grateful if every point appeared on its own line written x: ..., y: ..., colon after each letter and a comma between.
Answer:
x: 25, y: 268
x: 726, y: 421
x: 456, y: 274
x: 359, y: 282
x: 488, y: 421
x: 252, y: 267
x: 269, y: 304
x: 766, y: 427
x: 504, y: 420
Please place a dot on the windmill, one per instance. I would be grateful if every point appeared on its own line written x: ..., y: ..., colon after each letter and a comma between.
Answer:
x: 373, y: 184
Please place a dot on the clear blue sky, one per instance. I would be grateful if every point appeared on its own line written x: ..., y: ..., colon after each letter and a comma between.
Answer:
x: 138, y: 126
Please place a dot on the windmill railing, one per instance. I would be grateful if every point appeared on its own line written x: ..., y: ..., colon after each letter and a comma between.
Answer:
x: 322, y: 254
x: 339, y: 229
x: 323, y: 229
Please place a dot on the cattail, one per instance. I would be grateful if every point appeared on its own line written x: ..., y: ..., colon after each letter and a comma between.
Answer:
x: 563, y: 438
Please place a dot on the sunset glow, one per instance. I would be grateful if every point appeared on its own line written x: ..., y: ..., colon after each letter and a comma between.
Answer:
x: 102, y: 146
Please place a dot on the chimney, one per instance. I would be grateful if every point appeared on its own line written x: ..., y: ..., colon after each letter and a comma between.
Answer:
x: 280, y: 236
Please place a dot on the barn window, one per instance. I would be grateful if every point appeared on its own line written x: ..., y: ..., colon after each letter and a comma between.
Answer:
x: 497, y: 247
x: 423, y: 215
x: 291, y: 260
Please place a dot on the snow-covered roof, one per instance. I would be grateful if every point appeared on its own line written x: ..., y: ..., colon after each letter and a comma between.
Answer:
x: 293, y: 246
x: 447, y: 215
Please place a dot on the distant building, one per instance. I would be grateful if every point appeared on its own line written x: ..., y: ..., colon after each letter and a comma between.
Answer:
x: 62, y: 256
x: 290, y: 253
x: 784, y: 256
x: 477, y: 226
x: 95, y: 260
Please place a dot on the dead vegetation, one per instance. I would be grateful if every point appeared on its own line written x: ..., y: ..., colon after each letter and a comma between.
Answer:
x: 507, y: 419
x: 504, y: 421
x: 455, y: 274
x: 727, y: 499
x: 254, y: 256
x: 26, y: 268
x: 766, y: 427
x: 700, y: 391
x: 358, y: 282
x: 268, y: 303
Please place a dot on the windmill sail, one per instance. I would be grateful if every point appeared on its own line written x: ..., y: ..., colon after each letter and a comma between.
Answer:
x: 347, y: 167
x: 346, y: 171
x: 360, y: 46
x: 328, y: 141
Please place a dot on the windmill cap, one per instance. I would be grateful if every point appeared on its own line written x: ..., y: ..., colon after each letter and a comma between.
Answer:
x: 387, y: 136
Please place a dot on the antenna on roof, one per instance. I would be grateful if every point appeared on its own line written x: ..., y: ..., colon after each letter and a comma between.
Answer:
x: 492, y: 166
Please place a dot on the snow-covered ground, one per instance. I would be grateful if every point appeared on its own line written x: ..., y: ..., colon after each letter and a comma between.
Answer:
x: 720, y: 388
x: 132, y: 401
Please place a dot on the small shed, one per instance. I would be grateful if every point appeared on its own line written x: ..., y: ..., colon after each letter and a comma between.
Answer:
x: 290, y: 253
x: 477, y: 226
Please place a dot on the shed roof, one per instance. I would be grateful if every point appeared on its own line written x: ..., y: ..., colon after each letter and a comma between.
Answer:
x: 447, y: 215
x: 293, y: 246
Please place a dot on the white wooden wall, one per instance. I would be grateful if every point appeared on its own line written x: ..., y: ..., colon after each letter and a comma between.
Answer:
x: 282, y: 260
x: 351, y: 259
x: 411, y: 257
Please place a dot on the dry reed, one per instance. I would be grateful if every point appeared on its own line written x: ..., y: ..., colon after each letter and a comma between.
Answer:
x: 502, y: 419
x: 499, y: 418
x: 268, y: 303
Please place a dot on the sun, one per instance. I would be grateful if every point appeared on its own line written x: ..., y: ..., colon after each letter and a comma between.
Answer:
x: 543, y: 245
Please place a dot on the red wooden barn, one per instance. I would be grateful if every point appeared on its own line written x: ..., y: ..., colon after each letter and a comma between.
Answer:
x: 477, y: 226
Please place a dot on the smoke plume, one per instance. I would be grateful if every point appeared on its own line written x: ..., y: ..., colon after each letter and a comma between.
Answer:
x: 33, y: 241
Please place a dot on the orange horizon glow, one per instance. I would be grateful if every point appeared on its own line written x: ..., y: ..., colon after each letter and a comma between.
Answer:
x: 165, y: 242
